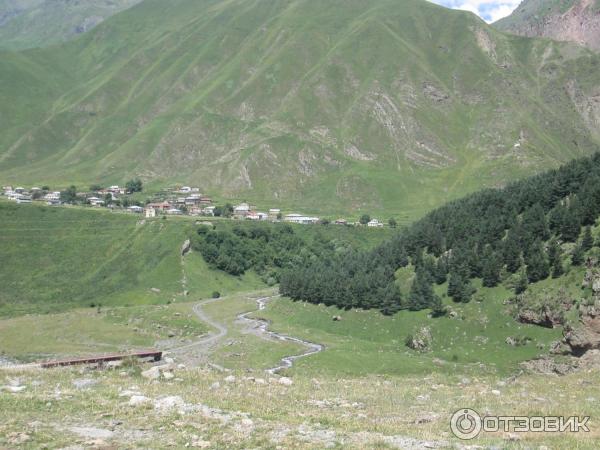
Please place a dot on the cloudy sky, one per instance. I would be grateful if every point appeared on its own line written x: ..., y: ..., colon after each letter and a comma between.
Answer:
x: 489, y: 10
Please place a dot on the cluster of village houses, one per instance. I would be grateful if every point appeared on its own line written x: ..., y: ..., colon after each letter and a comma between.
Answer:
x: 181, y: 201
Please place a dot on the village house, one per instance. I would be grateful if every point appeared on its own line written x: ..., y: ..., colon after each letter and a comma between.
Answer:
x: 205, y: 200
x: 163, y: 206
x: 22, y: 198
x: 150, y: 213
x: 241, y: 211
x: 299, y: 218
x: 257, y: 216
x: 274, y: 214
x: 209, y: 211
x: 174, y: 212
x: 95, y: 201
x: 341, y: 222
x: 116, y: 190
x: 135, y: 209
x: 194, y: 210
x: 374, y: 223
x: 193, y: 200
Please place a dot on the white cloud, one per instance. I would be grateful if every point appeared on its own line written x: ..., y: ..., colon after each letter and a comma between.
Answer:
x: 488, y: 10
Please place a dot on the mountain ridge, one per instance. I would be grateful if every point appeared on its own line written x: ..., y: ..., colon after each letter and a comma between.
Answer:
x: 383, y: 107
x: 563, y: 20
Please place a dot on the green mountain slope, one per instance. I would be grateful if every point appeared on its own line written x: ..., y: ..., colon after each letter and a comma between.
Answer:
x: 563, y: 20
x: 39, y: 23
x: 54, y: 259
x: 381, y: 106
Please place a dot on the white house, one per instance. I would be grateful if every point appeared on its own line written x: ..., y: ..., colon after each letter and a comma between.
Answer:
x: 299, y: 218
x: 52, y: 196
x: 374, y: 223
x: 135, y: 209
x: 95, y: 201
x: 174, y: 212
x: 209, y: 211
x: 23, y: 199
x: 150, y: 213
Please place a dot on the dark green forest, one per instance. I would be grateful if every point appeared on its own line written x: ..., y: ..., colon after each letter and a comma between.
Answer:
x: 519, y: 231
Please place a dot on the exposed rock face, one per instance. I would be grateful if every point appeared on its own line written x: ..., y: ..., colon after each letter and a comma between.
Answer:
x: 580, y: 23
x: 586, y: 336
x: 546, y: 309
x: 186, y: 247
x: 420, y: 341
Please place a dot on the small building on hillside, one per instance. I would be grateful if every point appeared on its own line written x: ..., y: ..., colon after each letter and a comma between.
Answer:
x: 23, y: 199
x: 163, y: 206
x: 274, y: 214
x: 174, y: 212
x: 136, y: 209
x: 95, y: 201
x: 241, y: 211
x: 374, y: 223
x: 300, y: 219
x: 150, y: 213
x: 341, y: 222
x: 208, y: 211
x: 257, y: 216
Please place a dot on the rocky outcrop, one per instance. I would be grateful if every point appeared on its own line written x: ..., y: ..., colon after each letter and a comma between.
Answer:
x: 420, y: 341
x: 546, y: 309
x: 580, y: 23
x: 186, y: 247
x: 584, y: 336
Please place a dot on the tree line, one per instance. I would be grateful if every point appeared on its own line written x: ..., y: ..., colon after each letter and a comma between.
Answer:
x: 517, y: 232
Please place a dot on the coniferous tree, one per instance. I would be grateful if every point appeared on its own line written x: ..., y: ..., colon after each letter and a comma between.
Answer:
x: 554, y: 252
x: 557, y: 269
x: 577, y: 256
x: 441, y: 270
x: 512, y: 251
x: 555, y: 258
x: 491, y: 267
x: 421, y: 294
x: 538, y: 267
x: 570, y: 227
x: 587, y: 242
x: 522, y: 283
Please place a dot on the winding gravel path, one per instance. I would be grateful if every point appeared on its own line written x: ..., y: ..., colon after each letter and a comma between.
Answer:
x: 260, y: 326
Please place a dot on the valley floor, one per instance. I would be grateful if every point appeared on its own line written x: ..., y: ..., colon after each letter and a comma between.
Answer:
x: 218, y: 393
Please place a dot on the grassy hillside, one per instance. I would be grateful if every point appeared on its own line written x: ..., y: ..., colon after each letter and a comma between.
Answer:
x: 378, y: 106
x: 59, y: 258
x: 40, y: 23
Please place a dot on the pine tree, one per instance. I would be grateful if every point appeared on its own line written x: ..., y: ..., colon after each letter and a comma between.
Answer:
x: 557, y: 269
x: 538, y: 267
x: 421, y: 294
x: 491, y: 267
x: 577, y: 256
x: 571, y: 226
x: 587, y: 242
x: 554, y: 252
x: 512, y: 251
x: 441, y: 270
x: 522, y: 283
